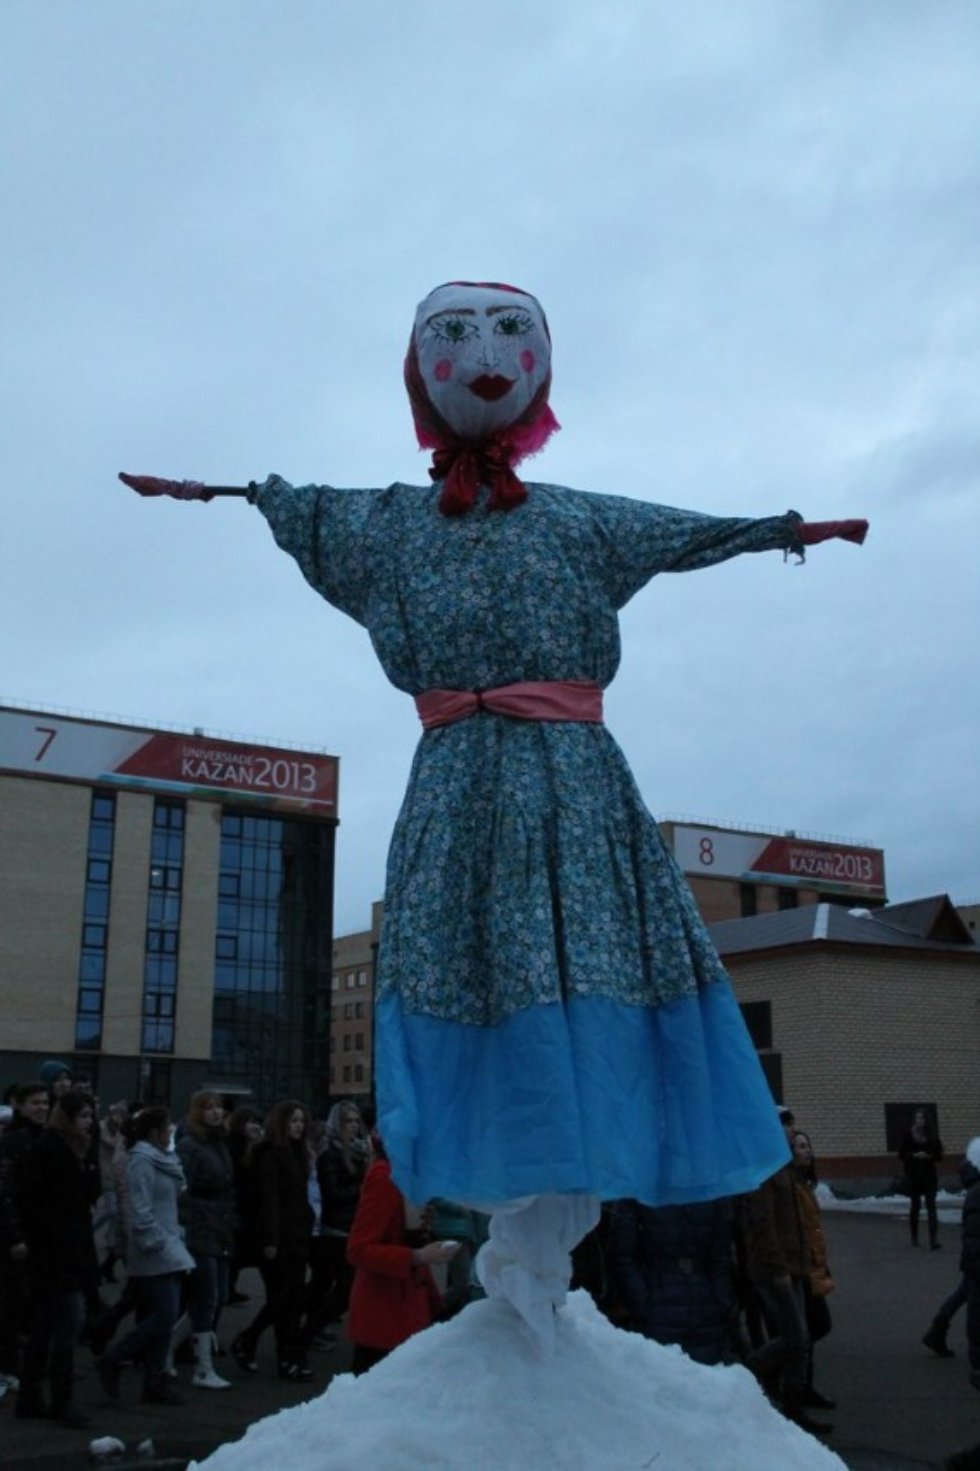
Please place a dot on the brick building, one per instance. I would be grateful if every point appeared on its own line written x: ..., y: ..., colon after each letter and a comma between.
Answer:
x: 352, y: 1012
x: 861, y: 1016
x: 165, y: 909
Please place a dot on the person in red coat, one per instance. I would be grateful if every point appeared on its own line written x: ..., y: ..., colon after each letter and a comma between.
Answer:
x: 393, y: 1294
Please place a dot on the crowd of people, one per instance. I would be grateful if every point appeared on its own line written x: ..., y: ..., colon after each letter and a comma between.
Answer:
x: 184, y: 1208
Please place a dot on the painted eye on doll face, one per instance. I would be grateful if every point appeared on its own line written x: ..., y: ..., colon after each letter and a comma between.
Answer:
x: 453, y: 329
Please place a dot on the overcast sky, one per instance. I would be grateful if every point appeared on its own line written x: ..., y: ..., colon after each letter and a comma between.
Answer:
x: 754, y: 228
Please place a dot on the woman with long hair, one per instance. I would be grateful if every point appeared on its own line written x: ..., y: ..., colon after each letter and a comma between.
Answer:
x: 57, y: 1184
x: 244, y: 1129
x: 340, y: 1168
x: 207, y: 1209
x: 818, y: 1283
x: 393, y: 1294
x: 155, y: 1255
x: 281, y: 1164
x: 920, y: 1153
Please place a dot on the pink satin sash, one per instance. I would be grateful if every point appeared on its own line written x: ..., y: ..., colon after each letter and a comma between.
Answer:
x: 554, y: 699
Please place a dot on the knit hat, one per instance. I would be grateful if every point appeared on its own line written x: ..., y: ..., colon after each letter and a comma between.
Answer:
x: 49, y: 1072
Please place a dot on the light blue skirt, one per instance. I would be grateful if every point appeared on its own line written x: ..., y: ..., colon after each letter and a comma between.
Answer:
x: 663, y: 1104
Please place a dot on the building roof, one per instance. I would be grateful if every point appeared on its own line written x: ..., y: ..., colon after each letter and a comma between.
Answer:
x: 921, y: 924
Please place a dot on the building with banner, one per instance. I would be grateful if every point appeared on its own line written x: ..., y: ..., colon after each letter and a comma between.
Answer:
x: 166, y: 905
x: 737, y: 872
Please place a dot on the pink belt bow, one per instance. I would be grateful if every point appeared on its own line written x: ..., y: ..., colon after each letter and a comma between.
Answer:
x: 553, y: 699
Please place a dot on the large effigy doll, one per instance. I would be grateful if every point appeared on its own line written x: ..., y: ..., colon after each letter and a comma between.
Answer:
x: 553, y: 1025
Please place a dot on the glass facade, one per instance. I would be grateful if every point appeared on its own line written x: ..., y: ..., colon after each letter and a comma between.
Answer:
x: 163, y: 926
x: 272, y: 963
x: 95, y: 922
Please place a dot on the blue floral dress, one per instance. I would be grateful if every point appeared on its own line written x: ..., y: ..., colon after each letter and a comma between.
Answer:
x: 551, y: 1015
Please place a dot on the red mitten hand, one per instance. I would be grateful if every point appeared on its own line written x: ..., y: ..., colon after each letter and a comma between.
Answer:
x: 810, y: 532
x: 180, y: 490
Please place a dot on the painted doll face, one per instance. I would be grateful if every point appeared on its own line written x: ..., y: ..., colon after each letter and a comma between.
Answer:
x: 483, y: 354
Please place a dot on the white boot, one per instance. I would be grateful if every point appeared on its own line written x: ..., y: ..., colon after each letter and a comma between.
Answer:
x: 204, y: 1376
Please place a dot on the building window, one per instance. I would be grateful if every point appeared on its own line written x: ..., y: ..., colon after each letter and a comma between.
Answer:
x: 788, y: 898
x: 351, y: 981
x: 163, y: 927
x: 359, y: 1042
x: 347, y: 1074
x: 748, y: 900
x: 348, y: 1010
x: 358, y: 1072
x: 273, y: 955
x: 757, y: 1016
x: 95, y: 923
x: 359, y: 1010
x: 347, y: 1042
x: 898, y: 1119
x: 362, y: 977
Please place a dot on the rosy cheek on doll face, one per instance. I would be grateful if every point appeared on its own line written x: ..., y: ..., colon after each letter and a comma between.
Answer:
x: 443, y: 370
x: 528, y: 360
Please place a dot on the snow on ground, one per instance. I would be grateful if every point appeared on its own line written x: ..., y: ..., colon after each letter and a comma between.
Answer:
x: 950, y: 1206
x: 472, y: 1392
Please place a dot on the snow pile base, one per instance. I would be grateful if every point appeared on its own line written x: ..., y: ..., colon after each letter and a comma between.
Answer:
x: 473, y: 1392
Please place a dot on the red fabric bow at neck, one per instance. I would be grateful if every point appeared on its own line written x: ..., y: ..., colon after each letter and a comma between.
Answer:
x: 463, y: 468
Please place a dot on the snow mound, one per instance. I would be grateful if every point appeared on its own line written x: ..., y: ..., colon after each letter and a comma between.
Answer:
x: 473, y: 1393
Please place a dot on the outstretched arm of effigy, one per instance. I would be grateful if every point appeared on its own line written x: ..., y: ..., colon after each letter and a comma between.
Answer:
x: 179, y: 490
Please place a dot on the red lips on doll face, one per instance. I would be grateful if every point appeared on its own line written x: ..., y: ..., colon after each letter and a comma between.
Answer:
x: 491, y: 386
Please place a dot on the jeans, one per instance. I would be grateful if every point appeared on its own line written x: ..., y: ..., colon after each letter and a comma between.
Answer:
x: 160, y: 1301
x: 207, y: 1291
x: 788, y: 1350
x: 55, y: 1323
x: 915, y: 1205
x: 957, y: 1298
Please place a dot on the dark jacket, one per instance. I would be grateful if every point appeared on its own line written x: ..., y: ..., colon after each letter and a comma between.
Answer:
x: 54, y: 1195
x: 340, y: 1187
x: 391, y: 1297
x: 970, y: 1248
x: 15, y: 1141
x: 207, y: 1207
x: 673, y: 1269
x: 773, y: 1229
x: 920, y: 1174
x: 285, y: 1217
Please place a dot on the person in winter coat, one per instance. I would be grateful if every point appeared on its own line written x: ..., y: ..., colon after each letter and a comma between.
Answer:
x: 818, y: 1283
x: 340, y: 1169
x: 281, y: 1165
x: 778, y: 1261
x: 30, y: 1114
x: 673, y: 1268
x: 56, y: 1186
x: 107, y: 1208
x: 155, y: 1254
x: 920, y: 1153
x: 393, y: 1293
x: 244, y: 1129
x: 207, y: 1209
x: 970, y: 1255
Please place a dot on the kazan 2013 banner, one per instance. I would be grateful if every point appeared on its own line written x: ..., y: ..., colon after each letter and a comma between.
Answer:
x: 65, y: 748
x: 785, y: 859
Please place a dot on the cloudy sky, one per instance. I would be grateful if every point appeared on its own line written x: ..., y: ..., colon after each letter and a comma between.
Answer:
x: 754, y: 228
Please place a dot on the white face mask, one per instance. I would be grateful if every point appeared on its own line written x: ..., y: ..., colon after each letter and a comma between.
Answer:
x: 483, y: 354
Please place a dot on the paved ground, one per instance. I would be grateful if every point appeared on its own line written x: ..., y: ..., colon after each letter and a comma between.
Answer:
x: 899, y: 1407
